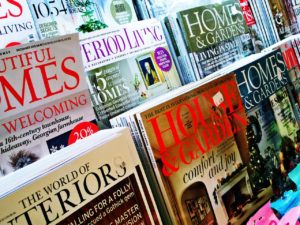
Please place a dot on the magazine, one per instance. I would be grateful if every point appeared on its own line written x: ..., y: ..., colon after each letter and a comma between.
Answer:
x: 291, y: 59
x: 215, y: 36
x: 273, y: 130
x: 258, y: 36
x: 94, y: 185
x: 191, y: 137
x: 16, y: 24
x: 221, y: 148
x: 281, y: 18
x: 126, y: 66
x: 60, y: 17
x: 44, y: 96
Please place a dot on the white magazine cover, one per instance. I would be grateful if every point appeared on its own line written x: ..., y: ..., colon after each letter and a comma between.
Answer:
x: 60, y: 17
x: 43, y: 96
x: 94, y: 186
x: 126, y: 66
x: 16, y: 24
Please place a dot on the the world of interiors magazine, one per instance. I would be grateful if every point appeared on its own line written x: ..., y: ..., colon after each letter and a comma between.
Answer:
x: 96, y: 181
x: 44, y: 96
x: 126, y: 66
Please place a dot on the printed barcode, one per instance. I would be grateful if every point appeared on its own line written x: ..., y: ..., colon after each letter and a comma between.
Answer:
x: 120, y: 8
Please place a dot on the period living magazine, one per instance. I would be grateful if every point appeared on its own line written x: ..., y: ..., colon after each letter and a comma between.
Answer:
x: 96, y: 181
x: 16, y: 24
x: 43, y: 97
x: 126, y: 66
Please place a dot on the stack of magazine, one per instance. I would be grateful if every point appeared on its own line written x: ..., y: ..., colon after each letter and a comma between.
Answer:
x: 98, y: 181
x: 31, y: 20
x: 222, y: 148
x: 209, y: 93
x: 206, y: 35
x: 280, y: 19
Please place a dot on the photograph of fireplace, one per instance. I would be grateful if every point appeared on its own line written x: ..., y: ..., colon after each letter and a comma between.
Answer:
x: 237, y: 200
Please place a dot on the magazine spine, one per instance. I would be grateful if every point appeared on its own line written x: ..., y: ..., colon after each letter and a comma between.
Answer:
x: 266, y: 24
x: 191, y: 56
x: 259, y: 24
x: 171, y: 208
x: 147, y: 165
x: 141, y: 9
x: 186, y: 73
x: 266, y: 5
x: 295, y: 47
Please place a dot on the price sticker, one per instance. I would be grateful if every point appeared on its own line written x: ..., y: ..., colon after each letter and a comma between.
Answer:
x: 82, y: 131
